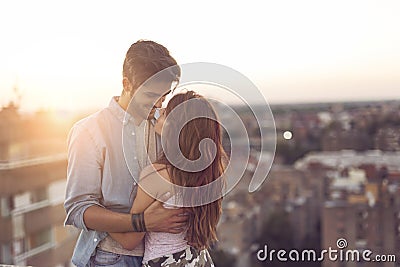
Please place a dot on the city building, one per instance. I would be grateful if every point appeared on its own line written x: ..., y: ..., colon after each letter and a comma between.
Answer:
x: 32, y: 213
x: 362, y: 203
x: 33, y: 165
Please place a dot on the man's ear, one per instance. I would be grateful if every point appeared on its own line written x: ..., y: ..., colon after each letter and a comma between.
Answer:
x: 127, y: 85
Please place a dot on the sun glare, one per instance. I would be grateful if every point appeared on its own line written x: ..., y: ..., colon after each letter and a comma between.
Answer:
x: 295, y: 51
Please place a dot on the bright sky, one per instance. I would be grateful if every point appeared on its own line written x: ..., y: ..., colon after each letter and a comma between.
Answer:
x: 69, y: 54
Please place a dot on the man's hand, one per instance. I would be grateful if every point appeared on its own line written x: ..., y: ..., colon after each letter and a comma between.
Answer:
x: 160, y: 219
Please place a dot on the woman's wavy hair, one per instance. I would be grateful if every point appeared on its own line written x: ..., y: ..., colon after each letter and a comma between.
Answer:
x: 203, y: 219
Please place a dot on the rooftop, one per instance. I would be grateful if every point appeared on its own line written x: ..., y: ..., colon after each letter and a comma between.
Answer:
x: 349, y: 158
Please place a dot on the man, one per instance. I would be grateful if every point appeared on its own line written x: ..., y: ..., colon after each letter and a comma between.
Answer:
x: 107, y: 151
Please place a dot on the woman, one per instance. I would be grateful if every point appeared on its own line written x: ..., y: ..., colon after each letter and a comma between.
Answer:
x: 188, y: 248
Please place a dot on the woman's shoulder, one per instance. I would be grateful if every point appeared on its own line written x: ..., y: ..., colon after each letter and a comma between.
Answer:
x: 154, y: 180
x: 156, y: 169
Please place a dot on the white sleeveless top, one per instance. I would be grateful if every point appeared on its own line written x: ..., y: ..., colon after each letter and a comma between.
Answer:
x: 158, y: 244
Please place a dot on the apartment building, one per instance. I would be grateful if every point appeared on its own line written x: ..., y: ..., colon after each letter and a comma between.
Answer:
x: 32, y: 213
x: 33, y: 165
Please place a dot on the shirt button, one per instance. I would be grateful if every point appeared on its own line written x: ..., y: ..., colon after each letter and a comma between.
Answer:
x: 125, y: 122
x: 95, y: 240
x: 133, y: 133
x: 134, y: 157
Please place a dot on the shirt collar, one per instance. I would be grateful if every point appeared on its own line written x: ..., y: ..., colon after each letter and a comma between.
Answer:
x: 118, y: 111
x: 122, y: 115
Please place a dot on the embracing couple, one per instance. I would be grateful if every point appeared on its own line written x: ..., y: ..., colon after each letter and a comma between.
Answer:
x: 119, y: 174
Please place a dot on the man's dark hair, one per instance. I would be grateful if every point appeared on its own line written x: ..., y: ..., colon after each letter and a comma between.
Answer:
x: 146, y: 58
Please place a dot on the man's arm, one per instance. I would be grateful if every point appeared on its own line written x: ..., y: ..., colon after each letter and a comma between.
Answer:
x: 84, y: 172
x: 156, y: 218
x: 83, y: 193
x: 130, y: 240
x: 151, y: 184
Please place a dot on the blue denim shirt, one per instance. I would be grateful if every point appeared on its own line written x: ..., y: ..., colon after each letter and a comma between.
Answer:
x: 99, y: 172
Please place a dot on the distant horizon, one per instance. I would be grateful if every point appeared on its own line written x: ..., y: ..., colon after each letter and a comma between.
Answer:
x: 93, y: 109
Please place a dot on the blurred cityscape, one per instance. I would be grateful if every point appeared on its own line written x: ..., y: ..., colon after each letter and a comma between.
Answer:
x: 336, y: 174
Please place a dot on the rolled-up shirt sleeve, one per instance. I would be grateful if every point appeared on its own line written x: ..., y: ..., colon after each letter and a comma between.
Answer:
x: 84, y: 175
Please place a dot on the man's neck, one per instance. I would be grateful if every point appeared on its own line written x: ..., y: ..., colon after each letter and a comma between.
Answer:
x: 124, y: 101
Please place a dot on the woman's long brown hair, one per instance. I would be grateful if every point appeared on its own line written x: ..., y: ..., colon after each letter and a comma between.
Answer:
x: 203, y: 219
